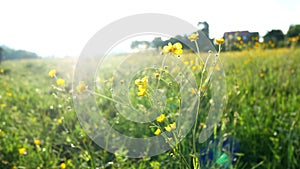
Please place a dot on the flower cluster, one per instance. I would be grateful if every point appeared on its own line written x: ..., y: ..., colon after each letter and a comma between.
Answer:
x: 170, y: 126
x: 161, y: 118
x: 176, y: 48
x: 59, y: 81
x: 142, y: 86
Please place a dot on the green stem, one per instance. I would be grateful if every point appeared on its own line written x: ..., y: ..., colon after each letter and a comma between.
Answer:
x: 198, y: 52
x: 108, y: 98
x: 195, y: 159
x: 160, y: 73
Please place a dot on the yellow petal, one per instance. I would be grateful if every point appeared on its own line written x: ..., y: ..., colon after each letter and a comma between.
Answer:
x: 37, y: 142
x: 161, y: 118
x: 173, y: 125
x: 167, y: 49
x: 52, y: 73
x: 219, y: 41
x: 22, y: 151
x: 142, y: 93
x: 157, y: 132
x: 60, y: 82
x: 168, y: 128
x: 177, y: 46
x: 178, y: 51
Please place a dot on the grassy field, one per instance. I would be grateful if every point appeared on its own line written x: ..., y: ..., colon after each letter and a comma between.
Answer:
x: 39, y: 127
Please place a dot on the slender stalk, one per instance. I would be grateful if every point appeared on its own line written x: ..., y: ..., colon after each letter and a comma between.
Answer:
x: 196, y: 164
x: 195, y: 159
x: 160, y: 73
x: 198, y: 51
x: 108, y: 98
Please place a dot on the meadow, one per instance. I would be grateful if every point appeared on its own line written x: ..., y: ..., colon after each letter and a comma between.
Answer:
x: 39, y: 127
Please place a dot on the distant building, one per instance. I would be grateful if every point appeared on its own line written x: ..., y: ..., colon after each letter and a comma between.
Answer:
x: 233, y: 40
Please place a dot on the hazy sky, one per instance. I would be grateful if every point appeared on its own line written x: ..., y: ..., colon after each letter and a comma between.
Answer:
x: 62, y: 27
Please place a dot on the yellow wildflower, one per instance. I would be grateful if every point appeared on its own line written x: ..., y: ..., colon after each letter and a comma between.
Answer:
x: 60, y: 82
x: 14, y: 167
x: 170, y: 126
x: 173, y: 125
x: 219, y: 41
x: 167, y: 48
x: 59, y: 121
x: 37, y: 142
x: 262, y: 75
x: 22, y: 151
x: 161, y: 118
x: 239, y: 38
x: 81, y: 87
x: 3, y: 105
x: 8, y: 94
x: 1, y: 70
x: 52, y: 73
x: 157, y: 132
x: 63, y: 166
x: 142, y: 86
x: 141, y: 82
x: 176, y: 48
x: 141, y: 92
x: 193, y: 37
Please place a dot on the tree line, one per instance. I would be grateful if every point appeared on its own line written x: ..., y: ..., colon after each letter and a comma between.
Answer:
x: 273, y: 39
x: 7, y: 53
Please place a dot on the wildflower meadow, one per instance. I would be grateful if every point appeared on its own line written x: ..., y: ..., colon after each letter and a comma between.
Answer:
x: 258, y: 128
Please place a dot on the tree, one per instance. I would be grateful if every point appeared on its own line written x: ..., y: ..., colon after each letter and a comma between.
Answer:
x: 275, y: 38
x: 9, y: 53
x: 293, y: 31
x: 157, y: 42
x: 293, y: 35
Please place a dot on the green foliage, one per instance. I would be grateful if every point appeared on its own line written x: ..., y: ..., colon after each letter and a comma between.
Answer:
x: 293, y: 31
x: 276, y: 37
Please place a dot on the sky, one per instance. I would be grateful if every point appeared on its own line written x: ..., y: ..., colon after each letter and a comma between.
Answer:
x: 63, y: 27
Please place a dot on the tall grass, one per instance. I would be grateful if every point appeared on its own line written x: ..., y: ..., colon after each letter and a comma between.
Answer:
x: 262, y: 115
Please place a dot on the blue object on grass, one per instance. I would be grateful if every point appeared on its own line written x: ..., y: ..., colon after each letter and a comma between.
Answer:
x: 219, y: 153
